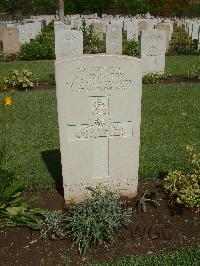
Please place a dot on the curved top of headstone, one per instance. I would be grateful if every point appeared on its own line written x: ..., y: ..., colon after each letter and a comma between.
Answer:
x: 102, y: 55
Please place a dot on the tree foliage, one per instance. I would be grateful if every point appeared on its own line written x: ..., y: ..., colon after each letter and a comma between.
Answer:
x: 166, y: 8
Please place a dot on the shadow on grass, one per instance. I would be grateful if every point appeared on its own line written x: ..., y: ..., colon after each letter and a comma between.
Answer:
x: 52, y: 159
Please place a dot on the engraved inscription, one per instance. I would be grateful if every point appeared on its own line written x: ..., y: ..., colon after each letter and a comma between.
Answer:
x: 100, y: 123
x: 99, y: 79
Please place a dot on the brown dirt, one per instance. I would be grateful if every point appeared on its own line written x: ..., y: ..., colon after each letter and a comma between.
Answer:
x: 159, y: 229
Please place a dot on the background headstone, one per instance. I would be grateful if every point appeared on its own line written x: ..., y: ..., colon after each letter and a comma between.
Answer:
x: 132, y: 31
x: 165, y: 28
x: 23, y: 34
x: 142, y: 25
x: 11, y: 40
x: 1, y: 32
x: 114, y: 39
x: 99, y: 29
x: 68, y: 43
x: 152, y: 51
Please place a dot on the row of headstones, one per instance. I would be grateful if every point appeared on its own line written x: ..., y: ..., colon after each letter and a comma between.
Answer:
x: 153, y: 45
x: 193, y: 29
x: 133, y: 27
x: 99, y: 109
x: 13, y: 35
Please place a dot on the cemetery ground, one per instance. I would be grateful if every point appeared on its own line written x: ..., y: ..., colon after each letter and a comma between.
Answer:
x: 170, y: 121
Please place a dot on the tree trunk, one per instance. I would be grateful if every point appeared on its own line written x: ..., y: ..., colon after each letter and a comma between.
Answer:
x: 99, y: 13
x: 12, y: 9
x: 61, y: 10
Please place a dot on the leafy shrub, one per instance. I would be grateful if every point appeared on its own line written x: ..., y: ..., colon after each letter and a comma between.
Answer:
x: 43, y: 47
x: 155, y: 78
x: 91, y: 43
x: 96, y: 219
x: 193, y: 72
x: 16, y: 79
x: 181, y: 43
x: 185, y: 187
x: 9, y: 57
x: 53, y: 224
x: 131, y: 48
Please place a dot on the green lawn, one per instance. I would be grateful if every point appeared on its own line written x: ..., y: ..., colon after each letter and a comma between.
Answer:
x: 40, y: 68
x: 170, y: 121
x: 176, y: 65
x: 188, y: 257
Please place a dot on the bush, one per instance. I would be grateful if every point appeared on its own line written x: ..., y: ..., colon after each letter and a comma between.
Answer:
x: 9, y: 57
x: 16, y: 79
x: 193, y: 72
x: 181, y: 44
x: 97, y: 218
x: 91, y: 43
x: 184, y: 188
x: 131, y: 48
x: 43, y: 47
x: 155, y: 78
x: 53, y: 224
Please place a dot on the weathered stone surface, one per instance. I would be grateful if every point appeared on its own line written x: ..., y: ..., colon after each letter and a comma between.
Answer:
x: 132, y: 31
x: 152, y: 51
x: 165, y: 28
x: 114, y: 39
x: 142, y: 25
x: 23, y: 34
x: 99, y: 114
x: 11, y: 40
x: 99, y: 30
x: 1, y: 32
x: 68, y: 43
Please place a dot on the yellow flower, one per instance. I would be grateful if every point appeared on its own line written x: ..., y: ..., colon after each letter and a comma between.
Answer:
x: 72, y: 198
x: 7, y: 101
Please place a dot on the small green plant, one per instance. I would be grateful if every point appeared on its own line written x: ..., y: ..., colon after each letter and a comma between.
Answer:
x: 184, y: 188
x: 131, y: 48
x: 155, y: 78
x: 91, y: 43
x: 97, y: 218
x: 193, y: 72
x: 53, y: 224
x: 16, y: 79
x: 147, y: 197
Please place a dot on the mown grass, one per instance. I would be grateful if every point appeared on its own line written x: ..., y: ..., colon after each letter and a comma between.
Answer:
x: 41, y: 69
x: 188, y: 257
x: 178, y: 65
x: 170, y: 121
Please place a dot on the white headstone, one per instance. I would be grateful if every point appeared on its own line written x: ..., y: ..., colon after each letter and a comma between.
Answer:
x: 32, y: 30
x: 68, y: 43
x: 132, y: 31
x: 99, y: 30
x: 99, y: 114
x: 152, y: 51
x: 114, y: 39
x: 24, y: 34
